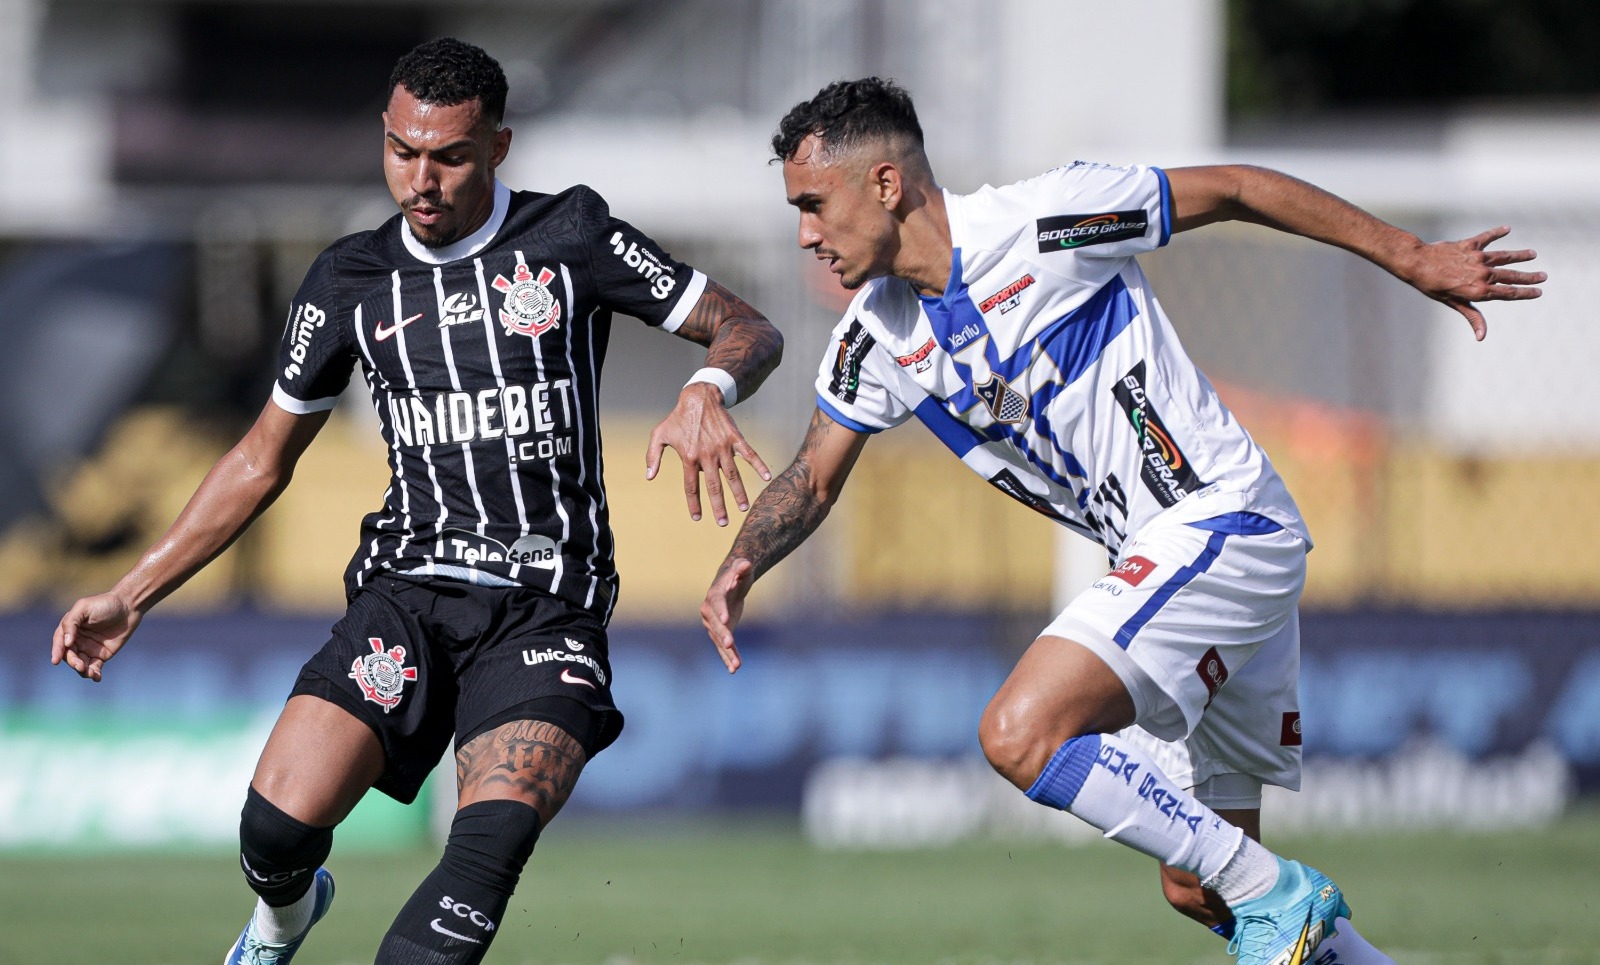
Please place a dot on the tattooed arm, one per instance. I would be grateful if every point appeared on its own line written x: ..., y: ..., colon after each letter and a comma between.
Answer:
x: 785, y: 514
x: 738, y: 339
x: 743, y: 344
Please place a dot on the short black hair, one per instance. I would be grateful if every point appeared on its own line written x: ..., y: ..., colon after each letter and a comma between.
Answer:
x: 447, y: 71
x: 847, y: 113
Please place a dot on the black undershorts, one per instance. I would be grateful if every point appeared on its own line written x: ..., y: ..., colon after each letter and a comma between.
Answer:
x: 420, y: 658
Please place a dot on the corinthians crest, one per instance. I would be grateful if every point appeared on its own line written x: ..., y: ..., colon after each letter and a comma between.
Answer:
x: 1005, y: 403
x: 382, y: 674
x: 530, y: 309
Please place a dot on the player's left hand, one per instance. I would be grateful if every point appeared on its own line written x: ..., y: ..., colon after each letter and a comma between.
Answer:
x: 92, y: 632
x: 708, y: 441
x: 724, y: 605
x: 1459, y: 273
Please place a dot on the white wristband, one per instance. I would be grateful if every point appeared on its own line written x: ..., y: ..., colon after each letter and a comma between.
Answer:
x: 719, y: 378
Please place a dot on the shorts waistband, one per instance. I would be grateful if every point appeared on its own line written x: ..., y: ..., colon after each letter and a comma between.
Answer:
x: 462, y: 574
x: 1242, y: 523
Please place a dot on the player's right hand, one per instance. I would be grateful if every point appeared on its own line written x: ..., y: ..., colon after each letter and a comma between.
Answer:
x: 724, y: 605
x: 92, y: 632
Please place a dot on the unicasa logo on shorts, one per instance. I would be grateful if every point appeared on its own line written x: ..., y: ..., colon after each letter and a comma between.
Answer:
x: 535, y: 657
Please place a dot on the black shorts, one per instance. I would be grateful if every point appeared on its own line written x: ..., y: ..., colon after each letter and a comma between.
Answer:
x: 418, y: 659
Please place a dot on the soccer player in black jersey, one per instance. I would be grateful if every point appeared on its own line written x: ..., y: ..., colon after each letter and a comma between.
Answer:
x: 480, y: 591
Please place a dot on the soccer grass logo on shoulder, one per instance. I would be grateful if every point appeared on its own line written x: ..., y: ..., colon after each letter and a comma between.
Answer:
x: 852, y: 353
x: 1067, y: 231
x: 382, y: 674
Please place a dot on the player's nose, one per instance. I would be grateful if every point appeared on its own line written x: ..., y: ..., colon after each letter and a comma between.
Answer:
x: 424, y: 177
x: 810, y: 237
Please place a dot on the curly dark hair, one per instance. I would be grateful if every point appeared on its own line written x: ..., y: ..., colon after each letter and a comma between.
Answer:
x: 447, y: 71
x: 849, y: 112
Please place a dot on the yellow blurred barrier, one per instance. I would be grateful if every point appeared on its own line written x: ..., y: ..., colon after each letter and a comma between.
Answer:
x: 1396, y: 522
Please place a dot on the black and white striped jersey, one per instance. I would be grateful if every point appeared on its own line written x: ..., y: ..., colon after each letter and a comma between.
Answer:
x: 483, y: 359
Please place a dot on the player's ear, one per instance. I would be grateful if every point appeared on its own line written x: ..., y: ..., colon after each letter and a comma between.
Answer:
x: 499, y: 147
x: 887, y: 185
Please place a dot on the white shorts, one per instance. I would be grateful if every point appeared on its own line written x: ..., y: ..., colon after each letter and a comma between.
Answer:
x: 1200, y: 622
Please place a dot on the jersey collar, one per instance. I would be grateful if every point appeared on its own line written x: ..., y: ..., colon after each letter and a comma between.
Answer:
x: 468, y: 246
x: 954, y: 285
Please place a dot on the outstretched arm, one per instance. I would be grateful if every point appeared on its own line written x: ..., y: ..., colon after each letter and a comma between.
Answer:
x: 744, y: 346
x: 785, y: 514
x: 1457, y: 273
x: 242, y: 484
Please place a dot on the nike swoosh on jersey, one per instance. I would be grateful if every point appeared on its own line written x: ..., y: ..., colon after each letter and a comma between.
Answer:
x: 568, y: 676
x: 445, y: 931
x: 381, y: 333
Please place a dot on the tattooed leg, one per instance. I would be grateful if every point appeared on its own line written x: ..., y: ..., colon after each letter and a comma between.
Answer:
x: 512, y: 781
x: 531, y: 761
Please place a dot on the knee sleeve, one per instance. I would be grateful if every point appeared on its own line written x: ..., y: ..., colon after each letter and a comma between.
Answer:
x: 454, y: 914
x: 278, y: 854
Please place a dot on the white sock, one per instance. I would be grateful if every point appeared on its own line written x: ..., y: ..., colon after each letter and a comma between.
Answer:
x: 1117, y: 788
x: 1250, y: 873
x: 1349, y: 948
x: 284, y: 924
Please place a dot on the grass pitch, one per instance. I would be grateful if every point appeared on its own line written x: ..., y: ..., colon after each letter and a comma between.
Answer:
x: 604, y: 892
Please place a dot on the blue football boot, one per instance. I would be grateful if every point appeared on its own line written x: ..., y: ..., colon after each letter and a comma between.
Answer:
x: 1285, y: 925
x: 252, y: 949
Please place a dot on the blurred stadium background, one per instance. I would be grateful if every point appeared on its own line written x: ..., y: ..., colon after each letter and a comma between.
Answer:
x: 174, y: 165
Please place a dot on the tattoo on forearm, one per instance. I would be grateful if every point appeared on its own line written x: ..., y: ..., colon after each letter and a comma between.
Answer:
x: 739, y: 340
x: 536, y: 761
x: 787, y: 511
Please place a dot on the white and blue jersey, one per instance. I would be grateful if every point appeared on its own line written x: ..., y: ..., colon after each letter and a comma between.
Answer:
x: 1049, y: 367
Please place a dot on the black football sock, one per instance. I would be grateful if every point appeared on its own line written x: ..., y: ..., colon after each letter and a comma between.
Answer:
x: 454, y: 914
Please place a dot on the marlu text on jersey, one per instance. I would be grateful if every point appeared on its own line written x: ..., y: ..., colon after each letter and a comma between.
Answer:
x: 438, y: 418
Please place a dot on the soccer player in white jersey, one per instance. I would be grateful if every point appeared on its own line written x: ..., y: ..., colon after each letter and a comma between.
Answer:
x: 1015, y: 323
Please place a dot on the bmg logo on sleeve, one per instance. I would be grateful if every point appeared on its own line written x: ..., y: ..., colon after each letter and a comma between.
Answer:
x: 646, y: 263
x: 303, y: 324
